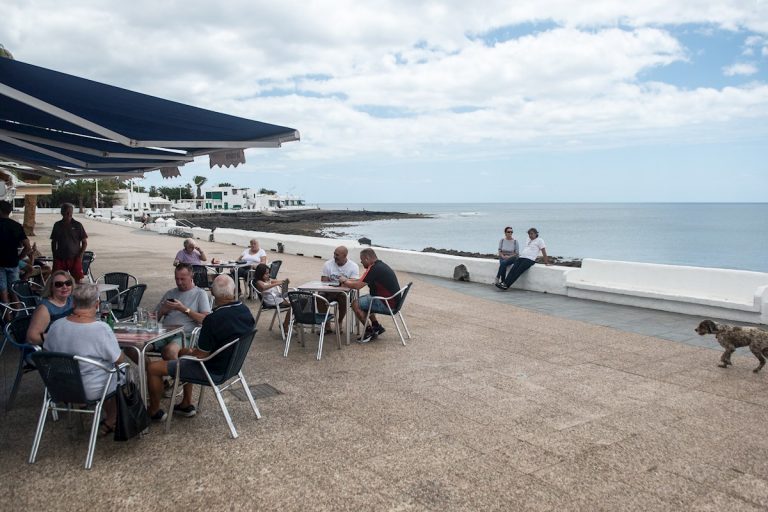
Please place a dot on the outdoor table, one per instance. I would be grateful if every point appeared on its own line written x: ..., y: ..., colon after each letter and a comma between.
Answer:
x: 130, y: 336
x: 327, y: 287
x: 235, y: 266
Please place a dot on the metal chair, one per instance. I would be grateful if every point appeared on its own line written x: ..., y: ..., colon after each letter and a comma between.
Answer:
x: 9, y: 311
x: 27, y: 293
x: 305, y: 312
x: 394, y: 313
x: 237, y: 351
x: 16, y: 333
x: 274, y: 268
x: 200, y: 276
x: 130, y: 298
x: 264, y: 306
x: 123, y: 282
x: 88, y: 258
x: 64, y: 385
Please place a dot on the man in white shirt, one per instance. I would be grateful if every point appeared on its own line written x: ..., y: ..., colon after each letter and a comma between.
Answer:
x: 338, y: 267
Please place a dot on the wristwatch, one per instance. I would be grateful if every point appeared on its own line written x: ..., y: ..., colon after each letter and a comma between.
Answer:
x: 186, y: 311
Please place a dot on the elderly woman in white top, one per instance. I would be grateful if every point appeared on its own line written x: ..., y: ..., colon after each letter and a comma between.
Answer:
x: 527, y: 259
x: 82, y: 334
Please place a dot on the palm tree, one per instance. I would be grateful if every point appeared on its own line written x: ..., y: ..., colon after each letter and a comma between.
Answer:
x: 199, y: 181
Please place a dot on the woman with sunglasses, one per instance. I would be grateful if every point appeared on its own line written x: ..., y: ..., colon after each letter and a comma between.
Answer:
x: 56, y: 303
x: 508, y: 252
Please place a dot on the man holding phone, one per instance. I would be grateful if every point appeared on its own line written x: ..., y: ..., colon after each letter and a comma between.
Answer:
x: 186, y: 305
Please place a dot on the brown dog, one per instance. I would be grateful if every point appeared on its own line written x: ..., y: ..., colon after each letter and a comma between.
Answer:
x: 732, y: 337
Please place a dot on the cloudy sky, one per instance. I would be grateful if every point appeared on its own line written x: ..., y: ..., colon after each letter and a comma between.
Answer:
x: 402, y: 101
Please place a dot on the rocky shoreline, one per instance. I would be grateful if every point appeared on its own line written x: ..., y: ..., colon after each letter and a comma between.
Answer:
x: 321, y: 223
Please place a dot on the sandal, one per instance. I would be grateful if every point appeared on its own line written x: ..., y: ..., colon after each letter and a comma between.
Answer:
x: 104, y: 429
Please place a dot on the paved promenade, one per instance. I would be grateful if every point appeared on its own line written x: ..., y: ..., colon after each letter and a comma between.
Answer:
x: 502, y: 401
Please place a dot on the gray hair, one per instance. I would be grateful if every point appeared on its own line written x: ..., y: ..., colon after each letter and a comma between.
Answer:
x: 85, y: 295
x: 223, y: 287
x: 188, y: 241
x: 67, y: 206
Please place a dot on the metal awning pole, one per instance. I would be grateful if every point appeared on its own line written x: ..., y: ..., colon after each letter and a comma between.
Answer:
x: 97, y: 193
x: 130, y: 200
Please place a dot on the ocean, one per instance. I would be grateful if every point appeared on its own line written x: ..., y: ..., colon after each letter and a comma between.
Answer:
x: 720, y: 235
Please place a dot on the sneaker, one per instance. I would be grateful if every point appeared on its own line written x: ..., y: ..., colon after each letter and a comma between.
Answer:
x: 502, y: 286
x: 378, y: 330
x: 187, y: 411
x: 496, y: 281
x: 367, y: 337
x: 159, y: 415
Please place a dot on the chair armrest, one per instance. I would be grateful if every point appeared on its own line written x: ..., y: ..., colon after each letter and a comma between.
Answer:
x: 212, y: 355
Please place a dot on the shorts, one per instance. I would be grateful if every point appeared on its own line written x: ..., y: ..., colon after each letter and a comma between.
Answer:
x: 190, y: 370
x: 73, y: 266
x: 378, y: 306
x: 8, y: 276
x: 158, y: 346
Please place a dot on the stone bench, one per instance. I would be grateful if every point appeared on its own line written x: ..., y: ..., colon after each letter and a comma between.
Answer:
x: 721, y: 293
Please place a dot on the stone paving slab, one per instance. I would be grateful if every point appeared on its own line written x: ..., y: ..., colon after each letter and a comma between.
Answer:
x: 493, y: 405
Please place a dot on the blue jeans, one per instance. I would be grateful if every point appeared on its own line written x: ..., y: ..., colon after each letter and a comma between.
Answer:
x: 503, y: 264
x: 378, y: 306
x: 518, y: 269
x: 8, y: 275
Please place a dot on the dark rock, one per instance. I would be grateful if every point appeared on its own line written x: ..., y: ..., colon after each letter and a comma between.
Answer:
x: 460, y: 273
x: 364, y: 241
x: 280, y: 247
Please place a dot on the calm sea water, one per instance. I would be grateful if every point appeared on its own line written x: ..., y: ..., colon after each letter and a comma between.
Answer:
x: 722, y: 235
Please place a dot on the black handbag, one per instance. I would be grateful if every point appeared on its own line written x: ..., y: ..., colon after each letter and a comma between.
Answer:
x: 132, y: 416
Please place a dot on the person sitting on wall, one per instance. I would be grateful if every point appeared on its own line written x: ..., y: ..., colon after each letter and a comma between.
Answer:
x: 508, y: 253
x: 526, y: 260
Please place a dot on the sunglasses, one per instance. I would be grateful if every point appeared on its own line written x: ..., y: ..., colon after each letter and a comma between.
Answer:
x: 507, y: 231
x: 59, y: 284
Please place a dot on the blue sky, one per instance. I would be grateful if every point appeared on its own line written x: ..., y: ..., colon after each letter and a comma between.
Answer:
x: 443, y: 102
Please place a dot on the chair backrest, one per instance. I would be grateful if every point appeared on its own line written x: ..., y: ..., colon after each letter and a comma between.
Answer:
x: 238, y: 355
x: 304, y: 307
x: 200, y: 276
x: 121, y: 279
x: 87, y: 260
x: 26, y: 294
x: 131, y: 301
x: 403, y: 293
x: 274, y: 268
x: 61, y: 374
x: 16, y: 330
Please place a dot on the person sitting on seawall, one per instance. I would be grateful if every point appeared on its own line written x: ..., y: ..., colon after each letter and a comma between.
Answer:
x: 186, y: 305
x: 526, y: 260
x: 273, y: 292
x: 335, y: 269
x: 191, y: 253
x: 56, y: 303
x: 83, y: 335
x: 230, y: 319
x: 508, y: 253
x: 382, y: 282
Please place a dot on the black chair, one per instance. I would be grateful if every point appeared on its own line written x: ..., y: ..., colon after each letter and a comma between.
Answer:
x: 9, y: 311
x: 200, y: 276
x: 130, y: 300
x: 274, y: 268
x: 395, y: 312
x: 236, y: 350
x: 16, y: 333
x: 88, y: 258
x: 268, y: 307
x: 64, y: 385
x: 122, y: 280
x: 27, y: 293
x: 305, y: 312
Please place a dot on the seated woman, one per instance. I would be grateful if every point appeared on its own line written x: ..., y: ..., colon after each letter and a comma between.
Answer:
x: 82, y: 334
x: 273, y: 292
x: 508, y: 252
x: 253, y: 254
x: 56, y: 303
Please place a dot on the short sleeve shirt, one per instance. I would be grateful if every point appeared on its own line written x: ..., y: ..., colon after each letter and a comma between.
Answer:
x: 11, y: 237
x: 333, y: 272
x: 508, y: 247
x: 532, y: 249
x: 382, y: 281
x: 195, y: 299
x: 67, y: 238
x: 70, y: 337
x: 253, y: 258
x: 226, y: 323
x: 184, y: 257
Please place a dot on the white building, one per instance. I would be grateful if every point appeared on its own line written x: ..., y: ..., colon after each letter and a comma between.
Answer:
x: 140, y: 201
x: 238, y: 198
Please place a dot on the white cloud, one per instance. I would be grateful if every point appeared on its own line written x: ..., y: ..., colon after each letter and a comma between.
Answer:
x: 740, y: 68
